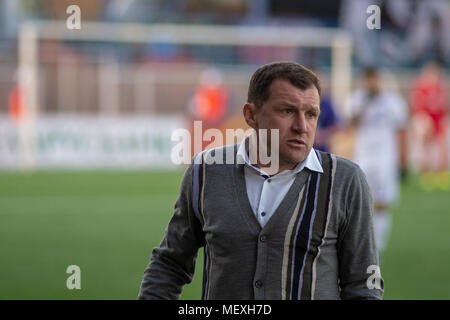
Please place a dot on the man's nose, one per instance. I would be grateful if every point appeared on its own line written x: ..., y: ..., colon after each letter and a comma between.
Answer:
x: 299, y: 124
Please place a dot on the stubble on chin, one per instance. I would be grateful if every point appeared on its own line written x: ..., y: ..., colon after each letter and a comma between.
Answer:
x: 293, y: 159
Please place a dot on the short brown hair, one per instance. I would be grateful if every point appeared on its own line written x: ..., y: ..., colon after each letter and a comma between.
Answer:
x: 370, y: 72
x: 298, y: 75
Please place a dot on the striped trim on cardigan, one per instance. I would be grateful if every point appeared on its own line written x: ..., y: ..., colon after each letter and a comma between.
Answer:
x: 306, y: 232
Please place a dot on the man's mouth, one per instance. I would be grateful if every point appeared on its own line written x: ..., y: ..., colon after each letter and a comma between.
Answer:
x: 296, y: 142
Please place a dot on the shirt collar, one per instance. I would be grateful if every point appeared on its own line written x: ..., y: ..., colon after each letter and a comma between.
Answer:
x: 311, y: 162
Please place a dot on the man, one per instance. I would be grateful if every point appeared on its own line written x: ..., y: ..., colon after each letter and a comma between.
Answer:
x: 302, y: 232
x: 379, y: 117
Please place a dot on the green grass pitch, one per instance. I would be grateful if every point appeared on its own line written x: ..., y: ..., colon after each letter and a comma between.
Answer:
x: 108, y: 222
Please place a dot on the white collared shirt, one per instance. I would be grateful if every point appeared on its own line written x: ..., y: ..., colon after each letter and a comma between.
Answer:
x: 266, y: 193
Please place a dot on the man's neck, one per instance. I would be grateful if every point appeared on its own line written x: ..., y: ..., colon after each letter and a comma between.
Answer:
x: 282, y: 166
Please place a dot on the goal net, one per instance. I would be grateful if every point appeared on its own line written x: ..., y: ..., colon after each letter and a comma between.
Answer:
x: 110, y: 94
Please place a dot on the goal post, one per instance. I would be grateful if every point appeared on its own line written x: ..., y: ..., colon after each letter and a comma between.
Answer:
x: 28, y: 88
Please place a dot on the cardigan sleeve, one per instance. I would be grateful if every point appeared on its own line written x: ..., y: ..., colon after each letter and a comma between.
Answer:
x: 357, y: 253
x: 172, y: 264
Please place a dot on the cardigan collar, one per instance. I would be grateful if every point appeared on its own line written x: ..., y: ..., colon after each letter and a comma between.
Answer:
x: 311, y: 162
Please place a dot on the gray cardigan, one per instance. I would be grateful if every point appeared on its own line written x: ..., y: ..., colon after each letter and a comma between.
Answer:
x: 318, y: 244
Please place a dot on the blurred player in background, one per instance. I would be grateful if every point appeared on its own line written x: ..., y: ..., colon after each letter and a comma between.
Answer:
x: 16, y: 106
x: 208, y: 104
x: 429, y: 107
x: 378, y: 116
x: 327, y: 124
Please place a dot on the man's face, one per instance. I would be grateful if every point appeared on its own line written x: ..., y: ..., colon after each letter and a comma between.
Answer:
x: 372, y: 83
x: 294, y: 112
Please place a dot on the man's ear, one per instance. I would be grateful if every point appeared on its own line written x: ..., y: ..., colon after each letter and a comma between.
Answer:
x: 250, y: 111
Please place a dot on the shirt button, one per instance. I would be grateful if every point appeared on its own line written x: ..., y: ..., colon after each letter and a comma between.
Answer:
x: 263, y: 238
x: 263, y: 213
x: 269, y: 180
x: 258, y: 284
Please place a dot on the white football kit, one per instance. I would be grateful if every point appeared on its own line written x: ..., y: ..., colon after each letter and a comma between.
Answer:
x: 376, y: 148
x: 376, y: 151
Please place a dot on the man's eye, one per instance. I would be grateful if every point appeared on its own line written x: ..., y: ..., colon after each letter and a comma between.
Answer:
x: 311, y: 114
x: 287, y: 111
